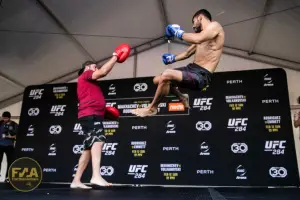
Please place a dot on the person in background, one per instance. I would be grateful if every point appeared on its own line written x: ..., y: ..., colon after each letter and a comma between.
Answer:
x: 297, y: 121
x: 8, y: 133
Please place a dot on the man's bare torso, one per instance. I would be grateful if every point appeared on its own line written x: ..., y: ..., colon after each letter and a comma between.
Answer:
x: 208, y: 54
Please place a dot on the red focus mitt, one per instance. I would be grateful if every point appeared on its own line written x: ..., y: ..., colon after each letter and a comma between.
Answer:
x: 122, y: 52
x: 111, y: 113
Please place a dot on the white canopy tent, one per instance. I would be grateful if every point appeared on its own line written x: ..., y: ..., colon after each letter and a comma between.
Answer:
x: 45, y: 41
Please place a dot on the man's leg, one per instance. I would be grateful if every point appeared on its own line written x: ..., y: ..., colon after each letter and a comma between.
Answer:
x: 1, y: 157
x: 9, y: 151
x: 82, y: 164
x: 161, y: 91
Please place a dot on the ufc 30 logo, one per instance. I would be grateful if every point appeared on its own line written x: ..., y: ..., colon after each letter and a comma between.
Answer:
x: 58, y: 110
x: 278, y: 172
x: 138, y: 171
x: 109, y: 149
x: 140, y: 87
x: 277, y: 147
x: 203, y: 104
x: 238, y: 124
x: 55, y: 129
x: 33, y: 111
x: 36, y: 94
x: 239, y: 148
x: 106, y: 170
x: 111, y: 104
x: 203, y: 125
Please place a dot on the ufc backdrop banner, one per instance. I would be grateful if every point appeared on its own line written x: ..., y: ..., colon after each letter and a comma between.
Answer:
x: 238, y: 132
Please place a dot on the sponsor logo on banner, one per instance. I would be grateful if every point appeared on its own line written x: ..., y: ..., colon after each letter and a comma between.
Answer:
x: 55, y: 129
x: 277, y: 147
x: 238, y: 124
x: 241, y: 173
x: 170, y: 171
x: 236, y: 102
x: 127, y: 108
x: 140, y: 87
x: 138, y: 148
x: 110, y: 127
x: 112, y: 90
x: 273, y: 123
x: 171, y: 127
x: 232, y: 82
x: 204, y: 149
x: 36, y: 93
x: 60, y: 91
x: 270, y: 101
x: 138, y: 171
x: 52, y: 150
x: 203, y: 104
x: 33, y: 111
x: 75, y: 170
x: 205, y: 171
x: 78, y: 149
x: 170, y: 148
x: 78, y: 129
x: 27, y: 149
x: 239, y: 148
x: 107, y: 171
x: 49, y: 170
x: 30, y: 131
x: 203, y: 125
x: 109, y: 149
x: 141, y: 127
x: 176, y: 107
x: 268, y: 81
x: 110, y: 104
x: 278, y: 172
x: 58, y: 110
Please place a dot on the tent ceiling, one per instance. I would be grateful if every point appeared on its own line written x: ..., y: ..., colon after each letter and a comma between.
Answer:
x: 35, y: 49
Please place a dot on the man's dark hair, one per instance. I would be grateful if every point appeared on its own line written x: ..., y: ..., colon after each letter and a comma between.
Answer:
x: 6, y: 114
x: 202, y: 12
x: 84, y: 65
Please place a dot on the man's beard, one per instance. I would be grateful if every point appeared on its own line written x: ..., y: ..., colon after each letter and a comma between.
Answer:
x: 198, y: 29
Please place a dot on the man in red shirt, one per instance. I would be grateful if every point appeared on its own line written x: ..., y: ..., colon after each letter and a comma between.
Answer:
x: 91, y: 111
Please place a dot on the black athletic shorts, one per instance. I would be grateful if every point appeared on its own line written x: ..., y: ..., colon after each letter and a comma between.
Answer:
x: 93, y: 129
x: 194, y: 77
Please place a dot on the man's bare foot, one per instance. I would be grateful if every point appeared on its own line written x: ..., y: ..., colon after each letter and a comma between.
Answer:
x: 100, y: 182
x: 144, y: 112
x: 185, y: 100
x: 79, y: 186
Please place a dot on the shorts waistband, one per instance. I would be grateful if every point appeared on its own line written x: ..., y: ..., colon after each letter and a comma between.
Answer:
x: 199, y: 68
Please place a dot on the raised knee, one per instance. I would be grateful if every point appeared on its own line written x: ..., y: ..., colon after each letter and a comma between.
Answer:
x: 166, y: 75
x: 156, y: 80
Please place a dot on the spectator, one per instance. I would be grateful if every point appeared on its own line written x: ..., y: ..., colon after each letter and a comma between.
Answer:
x: 297, y: 120
x: 8, y: 132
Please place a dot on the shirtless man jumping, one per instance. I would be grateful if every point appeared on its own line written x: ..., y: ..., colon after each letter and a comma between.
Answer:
x: 207, y: 45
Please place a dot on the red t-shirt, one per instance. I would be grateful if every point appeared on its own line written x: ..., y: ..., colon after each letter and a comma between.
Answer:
x: 90, y: 96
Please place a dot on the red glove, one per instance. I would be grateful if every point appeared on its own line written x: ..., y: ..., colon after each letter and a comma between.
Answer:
x: 111, y: 113
x: 122, y: 52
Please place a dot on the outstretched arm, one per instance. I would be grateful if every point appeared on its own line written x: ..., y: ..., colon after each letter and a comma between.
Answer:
x: 105, y: 69
x: 212, y: 30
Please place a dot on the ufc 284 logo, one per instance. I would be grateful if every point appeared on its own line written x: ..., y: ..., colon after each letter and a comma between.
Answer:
x: 203, y: 104
x: 277, y: 147
x: 58, y: 110
x: 36, y: 94
x: 138, y: 171
x: 238, y: 124
x: 109, y: 149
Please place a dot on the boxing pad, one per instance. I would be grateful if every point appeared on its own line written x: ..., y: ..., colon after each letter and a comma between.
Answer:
x: 122, y: 52
x: 111, y: 113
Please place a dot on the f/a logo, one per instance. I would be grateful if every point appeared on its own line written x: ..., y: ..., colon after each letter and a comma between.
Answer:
x: 58, y: 110
x: 109, y: 149
x: 239, y: 148
x: 138, y: 171
x: 33, y: 112
x: 112, y: 90
x: 55, y: 129
x: 107, y: 170
x: 203, y: 125
x: 238, y: 124
x: 277, y: 147
x: 140, y: 87
x: 78, y: 149
x: 36, y: 93
x: 278, y: 172
x: 203, y: 103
